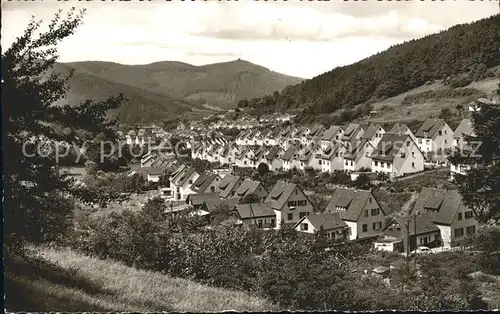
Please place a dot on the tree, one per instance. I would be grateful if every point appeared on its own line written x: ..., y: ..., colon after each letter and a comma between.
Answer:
x: 33, y: 183
x: 249, y: 199
x: 363, y: 181
x: 480, y: 186
x: 262, y: 169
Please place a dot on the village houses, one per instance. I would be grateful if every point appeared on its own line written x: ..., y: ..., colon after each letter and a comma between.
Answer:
x: 397, y: 155
x: 289, y: 202
x: 447, y: 211
x: 435, y: 135
x: 360, y: 210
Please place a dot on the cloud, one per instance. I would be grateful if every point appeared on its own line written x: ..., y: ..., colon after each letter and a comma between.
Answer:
x: 297, y: 38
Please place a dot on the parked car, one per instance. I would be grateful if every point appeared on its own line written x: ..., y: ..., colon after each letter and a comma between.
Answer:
x: 421, y: 250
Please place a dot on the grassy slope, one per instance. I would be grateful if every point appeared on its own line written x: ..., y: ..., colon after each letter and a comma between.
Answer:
x: 81, y: 283
x: 396, y: 112
x: 221, y: 84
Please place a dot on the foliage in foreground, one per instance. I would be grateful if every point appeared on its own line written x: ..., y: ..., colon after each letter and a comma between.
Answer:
x: 292, y: 270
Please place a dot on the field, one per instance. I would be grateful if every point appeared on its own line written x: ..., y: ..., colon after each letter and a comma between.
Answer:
x: 79, y: 283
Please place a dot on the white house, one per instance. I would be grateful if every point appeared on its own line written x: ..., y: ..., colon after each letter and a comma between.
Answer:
x: 455, y: 221
x: 330, y: 224
x: 435, y: 135
x: 397, y: 155
x: 181, y: 182
x: 374, y: 134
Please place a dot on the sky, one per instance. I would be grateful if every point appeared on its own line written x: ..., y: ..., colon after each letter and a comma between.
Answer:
x: 302, y: 39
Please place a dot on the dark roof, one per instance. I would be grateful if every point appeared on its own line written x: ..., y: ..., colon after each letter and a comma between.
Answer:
x: 228, y: 184
x: 356, y: 148
x: 350, y: 131
x: 389, y: 146
x: 332, y: 151
x: 199, y: 199
x: 289, y: 152
x: 248, y: 187
x: 203, y: 181
x: 183, y: 175
x: 353, y: 200
x: 280, y: 194
x: 308, y: 152
x: 442, y: 205
x: 328, y: 221
x: 255, y: 210
x: 273, y: 152
x: 330, y: 132
x: 370, y: 131
x: 430, y: 126
x: 464, y: 128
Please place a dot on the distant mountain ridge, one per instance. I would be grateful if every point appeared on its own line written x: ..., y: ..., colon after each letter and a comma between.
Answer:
x: 463, y: 53
x: 167, y: 88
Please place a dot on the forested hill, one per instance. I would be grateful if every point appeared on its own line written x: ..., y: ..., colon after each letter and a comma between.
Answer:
x: 462, y: 49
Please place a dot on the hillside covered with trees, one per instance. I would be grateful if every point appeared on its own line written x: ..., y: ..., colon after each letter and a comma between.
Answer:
x: 458, y: 56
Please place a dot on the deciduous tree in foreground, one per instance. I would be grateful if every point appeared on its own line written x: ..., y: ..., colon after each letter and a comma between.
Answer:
x: 36, y: 205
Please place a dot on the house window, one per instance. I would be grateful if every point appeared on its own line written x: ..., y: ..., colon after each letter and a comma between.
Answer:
x: 303, y: 214
x: 366, y: 213
x: 260, y: 223
x: 290, y: 216
x: 403, y: 155
x: 420, y: 141
x: 413, y: 154
x: 304, y: 226
x: 273, y: 223
x: 376, y: 163
x: 471, y: 229
x: 301, y: 203
x: 370, y: 200
x: 407, y: 143
x: 296, y: 191
x: 377, y: 225
x: 375, y: 211
x: 190, y: 181
x: 413, y: 164
x: 352, y: 163
x: 468, y: 215
x: 458, y: 232
x: 292, y: 203
x: 365, y: 228
x: 319, y: 161
x: 459, y: 216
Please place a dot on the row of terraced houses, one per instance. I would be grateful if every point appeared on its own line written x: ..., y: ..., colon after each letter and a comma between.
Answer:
x: 397, y: 151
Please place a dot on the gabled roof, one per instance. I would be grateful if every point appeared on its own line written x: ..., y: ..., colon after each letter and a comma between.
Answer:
x: 316, y: 129
x: 325, y: 221
x: 423, y: 224
x: 350, y: 131
x: 182, y: 176
x: 442, y: 205
x: 288, y: 155
x: 399, y: 128
x: 273, y: 152
x: 332, y: 151
x: 308, y: 153
x: 203, y: 181
x: 370, y: 131
x: 430, y: 126
x: 248, y: 187
x: 389, y: 146
x: 280, y: 194
x: 356, y: 149
x: 199, y: 199
x: 228, y: 184
x: 255, y: 210
x: 330, y: 132
x: 464, y: 128
x: 353, y: 200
